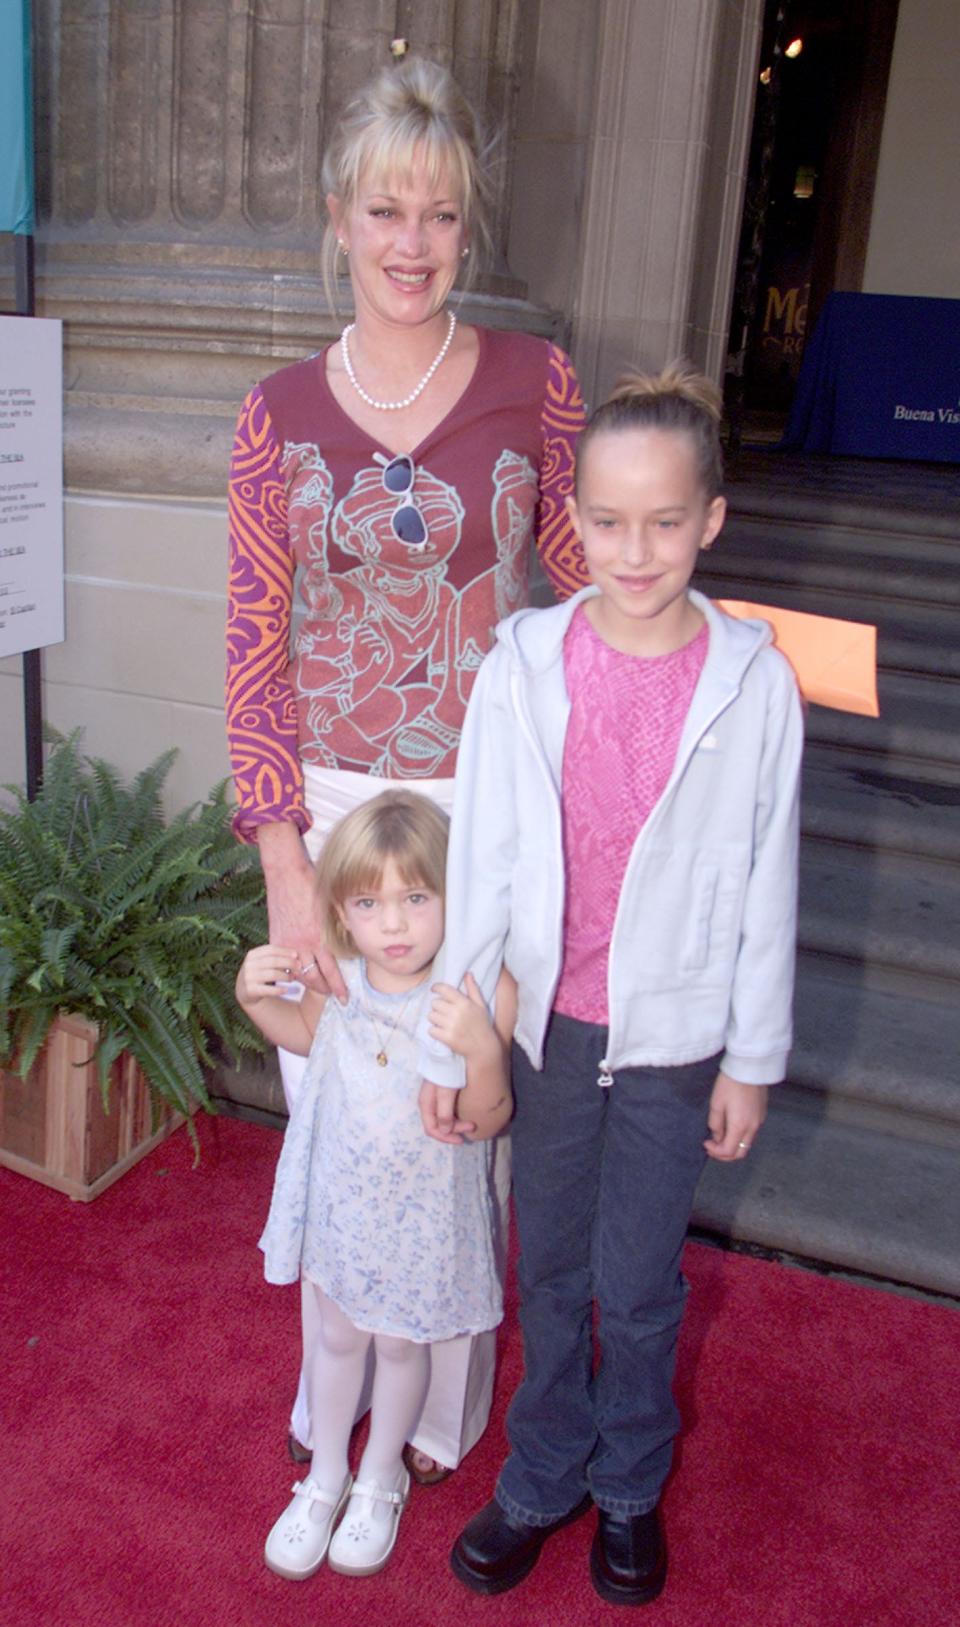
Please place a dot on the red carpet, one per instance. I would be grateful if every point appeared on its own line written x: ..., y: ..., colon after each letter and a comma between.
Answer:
x: 147, y: 1372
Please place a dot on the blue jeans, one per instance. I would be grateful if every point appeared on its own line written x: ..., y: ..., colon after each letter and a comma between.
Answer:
x: 604, y: 1179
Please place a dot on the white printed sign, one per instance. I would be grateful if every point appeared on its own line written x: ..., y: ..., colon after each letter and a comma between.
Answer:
x: 31, y: 483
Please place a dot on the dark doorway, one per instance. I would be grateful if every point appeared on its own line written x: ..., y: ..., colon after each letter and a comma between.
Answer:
x: 821, y: 91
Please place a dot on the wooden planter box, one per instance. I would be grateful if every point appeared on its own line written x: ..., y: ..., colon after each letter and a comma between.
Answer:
x: 53, y: 1126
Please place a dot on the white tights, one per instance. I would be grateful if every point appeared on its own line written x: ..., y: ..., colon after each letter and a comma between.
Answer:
x: 334, y: 1383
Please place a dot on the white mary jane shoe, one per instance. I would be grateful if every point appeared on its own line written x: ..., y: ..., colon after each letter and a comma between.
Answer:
x: 365, y: 1537
x: 297, y: 1544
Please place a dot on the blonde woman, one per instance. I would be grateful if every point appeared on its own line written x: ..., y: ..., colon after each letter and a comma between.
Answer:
x: 401, y: 475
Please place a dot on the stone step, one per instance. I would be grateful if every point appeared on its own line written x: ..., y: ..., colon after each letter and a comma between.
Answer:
x: 254, y: 1087
x: 916, y: 736
x: 912, y: 565
x: 860, y: 1050
x: 846, y: 1194
x: 889, y: 911
x: 898, y: 614
x: 912, y: 636
x: 859, y: 1163
x: 862, y: 494
x: 854, y: 806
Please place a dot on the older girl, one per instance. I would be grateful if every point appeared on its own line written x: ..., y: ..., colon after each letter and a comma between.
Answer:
x: 625, y: 838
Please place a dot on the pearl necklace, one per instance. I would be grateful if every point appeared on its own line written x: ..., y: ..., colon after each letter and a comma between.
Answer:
x: 408, y: 400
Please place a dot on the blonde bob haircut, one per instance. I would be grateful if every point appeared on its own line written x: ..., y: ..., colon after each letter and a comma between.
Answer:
x: 679, y: 400
x: 399, y: 825
x: 414, y: 111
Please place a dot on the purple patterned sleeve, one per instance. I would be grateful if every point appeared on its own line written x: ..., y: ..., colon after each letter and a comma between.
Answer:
x: 261, y: 709
x: 561, y: 421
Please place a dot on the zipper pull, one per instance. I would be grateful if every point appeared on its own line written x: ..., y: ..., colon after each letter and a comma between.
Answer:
x: 604, y: 1077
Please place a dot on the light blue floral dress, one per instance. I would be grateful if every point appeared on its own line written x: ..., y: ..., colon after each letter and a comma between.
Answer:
x: 398, y: 1229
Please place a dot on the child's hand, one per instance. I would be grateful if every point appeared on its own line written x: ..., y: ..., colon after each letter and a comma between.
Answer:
x: 263, y: 968
x: 736, y: 1114
x: 461, y: 1021
x: 438, y: 1113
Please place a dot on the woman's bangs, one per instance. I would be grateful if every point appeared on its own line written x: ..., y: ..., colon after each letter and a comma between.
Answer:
x: 411, y: 154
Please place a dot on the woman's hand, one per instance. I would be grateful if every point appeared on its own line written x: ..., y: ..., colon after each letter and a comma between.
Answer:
x: 736, y: 1114
x: 292, y: 909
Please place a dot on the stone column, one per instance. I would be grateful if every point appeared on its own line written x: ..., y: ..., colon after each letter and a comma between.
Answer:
x: 181, y: 204
x: 204, y: 120
x: 178, y: 158
x: 559, y: 51
x: 665, y: 177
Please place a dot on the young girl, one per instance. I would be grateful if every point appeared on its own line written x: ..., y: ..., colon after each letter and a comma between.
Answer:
x: 625, y: 836
x: 393, y: 1234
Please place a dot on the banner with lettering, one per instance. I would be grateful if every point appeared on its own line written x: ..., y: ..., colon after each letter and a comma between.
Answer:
x: 31, y: 482
x: 880, y: 379
x: 16, y: 119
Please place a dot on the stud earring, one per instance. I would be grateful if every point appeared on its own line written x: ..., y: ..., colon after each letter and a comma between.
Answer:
x: 464, y: 253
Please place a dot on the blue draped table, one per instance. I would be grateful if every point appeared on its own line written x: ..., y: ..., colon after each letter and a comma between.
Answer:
x: 880, y: 378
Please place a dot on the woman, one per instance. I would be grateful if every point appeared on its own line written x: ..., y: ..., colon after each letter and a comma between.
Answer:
x: 402, y: 473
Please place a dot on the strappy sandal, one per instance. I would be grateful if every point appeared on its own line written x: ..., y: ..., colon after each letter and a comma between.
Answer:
x: 297, y: 1452
x: 424, y: 1477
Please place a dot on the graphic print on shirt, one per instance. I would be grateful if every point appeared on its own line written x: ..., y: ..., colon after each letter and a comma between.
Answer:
x: 526, y: 398
x: 385, y: 662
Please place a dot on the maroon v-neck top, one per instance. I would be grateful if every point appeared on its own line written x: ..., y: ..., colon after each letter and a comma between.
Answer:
x: 387, y: 637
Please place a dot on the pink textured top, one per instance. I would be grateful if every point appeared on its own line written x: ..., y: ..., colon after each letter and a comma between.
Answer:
x: 627, y: 714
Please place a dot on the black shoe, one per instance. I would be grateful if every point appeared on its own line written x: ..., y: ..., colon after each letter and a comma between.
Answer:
x: 494, y: 1552
x: 628, y: 1559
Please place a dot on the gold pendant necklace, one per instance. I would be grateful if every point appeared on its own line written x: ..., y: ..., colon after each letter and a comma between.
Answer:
x: 382, y: 1056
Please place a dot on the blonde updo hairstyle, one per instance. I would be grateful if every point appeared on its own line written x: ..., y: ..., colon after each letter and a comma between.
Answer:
x: 398, y: 825
x: 415, y: 108
x: 678, y: 400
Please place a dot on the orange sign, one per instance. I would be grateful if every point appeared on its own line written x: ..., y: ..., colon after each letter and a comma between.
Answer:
x: 835, y: 661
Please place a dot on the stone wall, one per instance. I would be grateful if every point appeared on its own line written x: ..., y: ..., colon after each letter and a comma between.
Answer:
x: 178, y: 158
x: 180, y: 203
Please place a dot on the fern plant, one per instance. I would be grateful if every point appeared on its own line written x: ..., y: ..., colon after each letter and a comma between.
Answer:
x: 138, y: 923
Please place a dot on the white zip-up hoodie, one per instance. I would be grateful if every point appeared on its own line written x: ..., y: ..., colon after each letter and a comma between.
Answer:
x: 703, y: 946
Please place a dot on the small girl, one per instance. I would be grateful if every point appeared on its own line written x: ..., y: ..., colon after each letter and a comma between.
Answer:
x: 393, y: 1233
x: 625, y: 837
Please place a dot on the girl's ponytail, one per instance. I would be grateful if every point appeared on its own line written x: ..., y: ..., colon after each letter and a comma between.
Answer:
x: 679, y: 400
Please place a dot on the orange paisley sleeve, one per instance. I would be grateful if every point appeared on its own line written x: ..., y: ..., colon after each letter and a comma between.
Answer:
x: 261, y: 711
x: 561, y: 421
